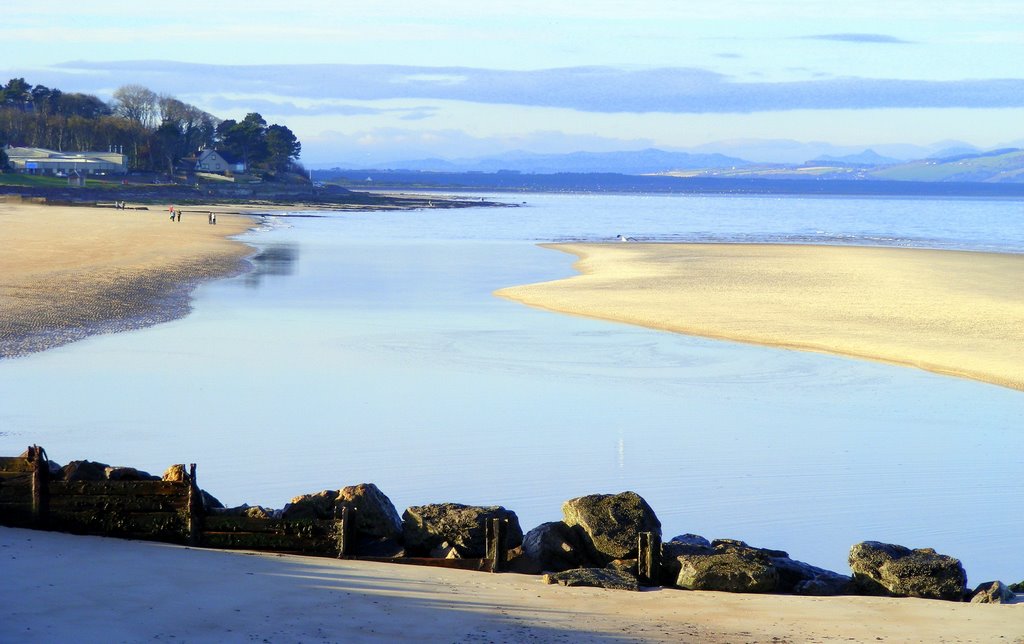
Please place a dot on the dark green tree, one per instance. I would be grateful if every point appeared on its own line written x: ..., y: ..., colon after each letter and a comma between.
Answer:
x: 282, y: 148
x: 245, y: 140
x: 16, y: 93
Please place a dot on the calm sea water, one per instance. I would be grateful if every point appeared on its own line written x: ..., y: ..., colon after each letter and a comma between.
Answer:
x: 368, y: 348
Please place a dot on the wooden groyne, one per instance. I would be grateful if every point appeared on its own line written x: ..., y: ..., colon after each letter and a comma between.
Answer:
x: 172, y: 509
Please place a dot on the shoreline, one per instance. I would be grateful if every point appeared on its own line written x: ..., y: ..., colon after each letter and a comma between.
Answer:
x: 70, y: 272
x: 201, y: 594
x: 949, y: 312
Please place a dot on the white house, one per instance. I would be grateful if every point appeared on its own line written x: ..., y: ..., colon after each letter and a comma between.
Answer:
x: 213, y: 161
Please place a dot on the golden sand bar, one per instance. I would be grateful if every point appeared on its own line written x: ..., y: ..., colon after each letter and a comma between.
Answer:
x: 951, y: 312
x: 66, y: 272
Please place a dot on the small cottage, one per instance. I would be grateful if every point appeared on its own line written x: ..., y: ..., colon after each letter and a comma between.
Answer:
x: 218, y: 162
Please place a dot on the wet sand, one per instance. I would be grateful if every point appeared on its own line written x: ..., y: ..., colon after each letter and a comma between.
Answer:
x: 67, y: 272
x: 956, y: 313
x: 61, y: 587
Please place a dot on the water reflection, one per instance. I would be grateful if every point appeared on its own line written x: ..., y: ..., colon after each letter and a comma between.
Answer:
x: 273, y: 259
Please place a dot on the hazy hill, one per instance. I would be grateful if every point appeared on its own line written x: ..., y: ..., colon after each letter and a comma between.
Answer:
x: 996, y: 166
x: 628, y: 162
x: 953, y: 162
x: 866, y: 158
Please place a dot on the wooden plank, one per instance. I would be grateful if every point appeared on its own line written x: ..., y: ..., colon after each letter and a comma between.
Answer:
x: 649, y: 552
x: 16, y: 477
x: 16, y: 515
x: 307, y: 527
x: 267, y: 541
x: 16, y: 492
x: 194, y: 508
x: 117, y: 503
x: 40, y: 485
x: 457, y: 564
x: 14, y: 465
x: 496, y: 542
x: 135, y: 488
x: 343, y: 530
x: 117, y: 523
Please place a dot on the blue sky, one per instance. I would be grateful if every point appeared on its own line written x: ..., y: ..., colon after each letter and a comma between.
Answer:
x: 451, y: 78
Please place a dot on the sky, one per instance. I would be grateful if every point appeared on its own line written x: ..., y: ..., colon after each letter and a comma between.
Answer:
x: 378, y: 81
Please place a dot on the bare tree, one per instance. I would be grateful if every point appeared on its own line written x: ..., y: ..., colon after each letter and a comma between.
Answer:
x: 138, y: 104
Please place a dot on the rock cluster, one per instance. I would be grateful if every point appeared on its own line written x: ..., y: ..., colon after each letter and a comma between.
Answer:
x: 597, y: 544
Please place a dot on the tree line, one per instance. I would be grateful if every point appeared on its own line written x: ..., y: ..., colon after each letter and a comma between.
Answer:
x: 154, y: 130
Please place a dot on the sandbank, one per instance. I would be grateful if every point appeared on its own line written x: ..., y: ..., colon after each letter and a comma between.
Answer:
x: 70, y: 271
x: 60, y: 587
x: 951, y: 312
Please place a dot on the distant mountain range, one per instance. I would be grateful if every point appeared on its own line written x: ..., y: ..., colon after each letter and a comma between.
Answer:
x: 955, y: 163
x: 630, y: 162
x: 995, y: 166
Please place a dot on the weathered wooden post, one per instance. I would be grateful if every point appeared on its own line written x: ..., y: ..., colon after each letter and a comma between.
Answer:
x: 195, y: 508
x: 496, y: 539
x: 649, y: 553
x: 343, y: 523
x: 40, y: 486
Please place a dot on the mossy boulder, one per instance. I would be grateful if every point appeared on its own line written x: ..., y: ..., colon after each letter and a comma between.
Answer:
x: 611, y: 523
x: 733, y: 566
x: 890, y: 569
x: 993, y: 592
x: 726, y: 567
x: 462, y: 527
x: 374, y: 516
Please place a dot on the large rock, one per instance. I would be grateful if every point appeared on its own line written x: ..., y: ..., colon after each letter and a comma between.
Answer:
x: 993, y: 592
x: 128, y: 474
x: 889, y: 569
x: 802, y: 578
x: 726, y: 567
x: 594, y: 577
x: 734, y: 566
x: 374, y: 516
x: 426, y: 527
x: 611, y: 523
x: 555, y: 547
x: 318, y: 505
x: 176, y: 474
x: 690, y: 539
x: 84, y: 471
x: 93, y: 471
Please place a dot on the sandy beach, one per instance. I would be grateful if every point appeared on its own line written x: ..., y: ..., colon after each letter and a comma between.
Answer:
x: 67, y: 272
x: 60, y: 587
x: 957, y: 313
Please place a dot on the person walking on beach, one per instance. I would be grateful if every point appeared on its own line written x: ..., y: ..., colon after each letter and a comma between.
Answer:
x: 179, y: 214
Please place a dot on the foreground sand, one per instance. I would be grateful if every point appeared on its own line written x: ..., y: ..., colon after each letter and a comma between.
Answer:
x: 959, y: 313
x: 59, y: 587
x: 66, y: 272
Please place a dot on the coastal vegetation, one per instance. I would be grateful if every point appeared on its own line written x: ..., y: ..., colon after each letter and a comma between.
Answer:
x: 156, y: 131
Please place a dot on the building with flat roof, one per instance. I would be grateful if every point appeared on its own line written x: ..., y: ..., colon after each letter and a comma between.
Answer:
x: 43, y: 161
